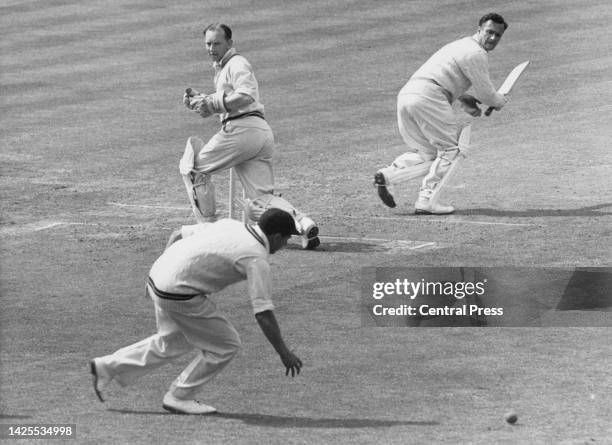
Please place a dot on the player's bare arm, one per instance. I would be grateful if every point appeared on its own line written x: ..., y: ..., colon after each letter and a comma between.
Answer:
x: 269, y: 326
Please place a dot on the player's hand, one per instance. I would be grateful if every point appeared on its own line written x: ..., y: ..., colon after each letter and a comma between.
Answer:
x: 470, y: 105
x: 201, y: 105
x: 191, y: 98
x: 187, y: 100
x: 292, y: 363
x: 492, y: 109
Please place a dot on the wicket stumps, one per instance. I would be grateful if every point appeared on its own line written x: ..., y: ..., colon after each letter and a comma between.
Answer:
x: 236, y: 199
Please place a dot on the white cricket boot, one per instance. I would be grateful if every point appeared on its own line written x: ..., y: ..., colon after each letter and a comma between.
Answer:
x: 178, y: 406
x: 423, y: 206
x: 310, y: 233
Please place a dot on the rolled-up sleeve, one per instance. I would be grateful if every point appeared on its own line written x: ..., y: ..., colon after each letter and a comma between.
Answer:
x: 259, y: 284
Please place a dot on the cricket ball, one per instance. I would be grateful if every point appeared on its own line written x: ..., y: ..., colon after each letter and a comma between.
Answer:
x: 511, y: 417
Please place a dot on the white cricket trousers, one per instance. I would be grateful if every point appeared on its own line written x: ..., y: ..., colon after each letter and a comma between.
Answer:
x: 182, y: 326
x: 430, y: 127
x: 247, y: 145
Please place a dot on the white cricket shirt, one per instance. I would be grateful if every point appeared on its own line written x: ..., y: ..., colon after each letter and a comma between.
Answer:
x: 234, y: 74
x: 460, y: 65
x: 213, y: 256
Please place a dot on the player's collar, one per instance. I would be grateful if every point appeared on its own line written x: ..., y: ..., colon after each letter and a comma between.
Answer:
x: 258, y: 235
x: 475, y: 39
x: 228, y: 55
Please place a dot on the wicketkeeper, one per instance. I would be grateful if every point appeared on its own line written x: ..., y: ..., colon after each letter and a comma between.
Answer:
x: 429, y: 125
x: 200, y: 260
x: 245, y: 141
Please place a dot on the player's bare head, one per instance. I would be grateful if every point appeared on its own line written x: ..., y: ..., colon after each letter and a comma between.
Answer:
x: 494, y: 17
x: 278, y: 226
x: 491, y: 28
x: 227, y: 32
x: 218, y: 40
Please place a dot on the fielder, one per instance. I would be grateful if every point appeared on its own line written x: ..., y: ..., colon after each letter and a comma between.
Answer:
x: 245, y: 141
x: 429, y: 125
x: 200, y: 260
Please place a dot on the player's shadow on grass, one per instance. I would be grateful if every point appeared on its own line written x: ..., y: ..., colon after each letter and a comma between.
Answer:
x: 344, y: 247
x: 14, y: 416
x: 311, y: 422
x: 533, y: 213
x: 295, y: 421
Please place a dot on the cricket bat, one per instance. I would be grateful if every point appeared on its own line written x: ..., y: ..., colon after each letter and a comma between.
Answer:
x: 508, y: 84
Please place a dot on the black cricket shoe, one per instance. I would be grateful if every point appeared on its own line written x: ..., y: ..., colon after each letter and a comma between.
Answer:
x: 383, y: 192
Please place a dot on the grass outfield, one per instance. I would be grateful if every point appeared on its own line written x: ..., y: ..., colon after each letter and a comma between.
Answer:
x: 93, y: 128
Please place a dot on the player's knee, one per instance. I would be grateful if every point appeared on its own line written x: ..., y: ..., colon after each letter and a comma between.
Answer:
x: 171, y: 345
x: 235, y: 346
x: 408, y: 160
x: 230, y: 348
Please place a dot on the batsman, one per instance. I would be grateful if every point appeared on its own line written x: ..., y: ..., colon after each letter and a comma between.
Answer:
x: 428, y: 120
x: 245, y: 141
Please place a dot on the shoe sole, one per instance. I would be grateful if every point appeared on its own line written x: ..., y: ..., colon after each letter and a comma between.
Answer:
x: 313, y: 244
x: 312, y: 238
x: 178, y: 411
x: 94, y: 373
x: 383, y: 193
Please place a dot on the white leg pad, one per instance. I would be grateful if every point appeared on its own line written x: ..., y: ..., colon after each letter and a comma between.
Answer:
x: 444, y: 168
x: 199, y: 187
x: 187, y: 162
x: 201, y: 196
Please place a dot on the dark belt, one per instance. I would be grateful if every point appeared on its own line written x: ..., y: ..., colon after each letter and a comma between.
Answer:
x: 240, y: 116
x: 168, y: 295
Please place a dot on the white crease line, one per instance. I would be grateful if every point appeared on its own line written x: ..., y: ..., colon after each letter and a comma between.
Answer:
x: 145, y: 206
x: 347, y: 238
x: 441, y: 220
x: 385, y: 218
x: 30, y: 228
x: 401, y: 243
x: 48, y: 226
x: 432, y: 244
x: 35, y: 227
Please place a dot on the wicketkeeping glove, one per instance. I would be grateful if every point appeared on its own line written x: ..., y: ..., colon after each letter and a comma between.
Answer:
x: 202, y: 107
x: 211, y: 104
x: 192, y: 98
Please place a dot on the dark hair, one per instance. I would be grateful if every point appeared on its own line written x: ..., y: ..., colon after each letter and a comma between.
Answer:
x: 494, y: 18
x: 215, y: 26
x: 275, y: 220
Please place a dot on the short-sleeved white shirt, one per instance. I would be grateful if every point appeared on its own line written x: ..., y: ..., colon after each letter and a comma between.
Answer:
x: 212, y: 256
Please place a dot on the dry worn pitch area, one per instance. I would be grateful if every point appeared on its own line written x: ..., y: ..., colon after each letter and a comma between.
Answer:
x: 92, y: 130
